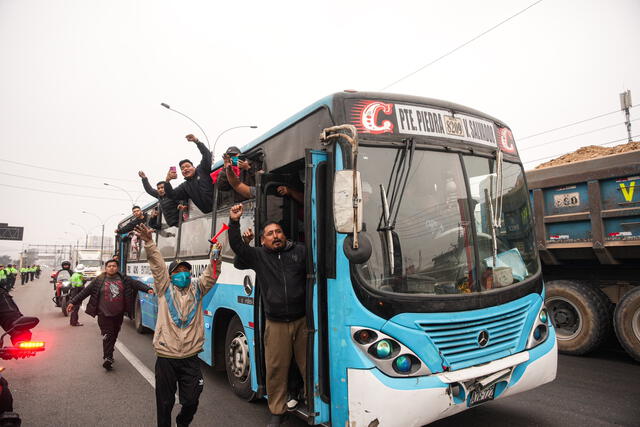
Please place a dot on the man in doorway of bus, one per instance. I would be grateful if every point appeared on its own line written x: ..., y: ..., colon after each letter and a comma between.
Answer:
x: 198, y: 185
x: 139, y: 217
x: 281, y: 268
x: 169, y: 207
x: 77, y: 284
x: 179, y: 332
x: 111, y: 296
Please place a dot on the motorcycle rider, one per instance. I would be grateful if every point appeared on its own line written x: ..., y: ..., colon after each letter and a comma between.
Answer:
x: 77, y: 284
x: 9, y: 313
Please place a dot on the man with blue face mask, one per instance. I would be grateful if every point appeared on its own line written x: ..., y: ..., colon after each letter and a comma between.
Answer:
x: 179, y: 333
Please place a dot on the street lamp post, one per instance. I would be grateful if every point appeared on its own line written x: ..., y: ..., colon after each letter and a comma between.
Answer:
x: 122, y: 189
x: 227, y: 130
x: 165, y: 105
x: 86, y: 234
x: 101, y: 223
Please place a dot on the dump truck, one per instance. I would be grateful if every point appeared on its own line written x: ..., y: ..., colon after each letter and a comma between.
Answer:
x: 587, y: 219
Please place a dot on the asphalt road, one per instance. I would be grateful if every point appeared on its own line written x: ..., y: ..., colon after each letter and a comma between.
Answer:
x: 66, y: 385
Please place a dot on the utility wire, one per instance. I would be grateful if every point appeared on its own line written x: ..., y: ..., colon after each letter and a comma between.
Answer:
x: 573, y: 124
x: 64, y: 171
x: 461, y: 46
x: 560, y: 155
x: 574, y: 136
x: 63, y: 194
x: 61, y: 183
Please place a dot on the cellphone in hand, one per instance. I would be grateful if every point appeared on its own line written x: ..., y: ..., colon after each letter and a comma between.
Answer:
x: 172, y: 168
x: 234, y: 160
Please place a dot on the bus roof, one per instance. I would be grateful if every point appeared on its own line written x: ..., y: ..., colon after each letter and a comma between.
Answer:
x: 334, y: 101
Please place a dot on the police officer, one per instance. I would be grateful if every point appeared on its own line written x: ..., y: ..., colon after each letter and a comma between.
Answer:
x: 13, y: 273
x: 23, y: 275
x: 3, y: 278
x: 77, y: 284
x: 32, y: 272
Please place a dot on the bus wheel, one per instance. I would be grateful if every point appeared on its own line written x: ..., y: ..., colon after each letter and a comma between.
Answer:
x: 140, y: 328
x: 580, y: 315
x: 626, y: 320
x: 237, y: 361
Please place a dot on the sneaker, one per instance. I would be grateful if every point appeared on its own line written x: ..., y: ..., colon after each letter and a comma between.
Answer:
x: 292, y: 404
x: 277, y: 420
x: 108, y: 364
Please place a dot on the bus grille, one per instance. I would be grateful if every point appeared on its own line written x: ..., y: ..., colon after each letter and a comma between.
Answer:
x: 458, y: 344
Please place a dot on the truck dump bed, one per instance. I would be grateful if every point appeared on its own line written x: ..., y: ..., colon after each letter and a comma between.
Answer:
x: 588, y: 212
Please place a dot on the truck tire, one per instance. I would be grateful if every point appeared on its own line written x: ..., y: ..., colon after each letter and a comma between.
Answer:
x: 580, y: 313
x: 236, y: 356
x: 626, y: 320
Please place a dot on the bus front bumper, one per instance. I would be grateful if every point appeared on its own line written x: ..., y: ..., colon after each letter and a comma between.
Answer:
x: 421, y: 400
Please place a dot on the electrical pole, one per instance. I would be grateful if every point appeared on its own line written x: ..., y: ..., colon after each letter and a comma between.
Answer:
x: 625, y: 105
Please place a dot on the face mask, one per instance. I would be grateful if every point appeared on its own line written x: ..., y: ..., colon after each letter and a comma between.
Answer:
x: 181, y: 280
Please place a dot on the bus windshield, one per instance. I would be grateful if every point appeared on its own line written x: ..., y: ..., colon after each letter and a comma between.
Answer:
x: 434, y: 237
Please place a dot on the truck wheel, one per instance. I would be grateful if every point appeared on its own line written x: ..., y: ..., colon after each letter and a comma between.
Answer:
x: 580, y: 314
x: 137, y: 321
x: 237, y: 361
x: 626, y: 320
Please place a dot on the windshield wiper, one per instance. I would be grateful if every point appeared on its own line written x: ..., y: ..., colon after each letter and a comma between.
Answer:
x: 397, y: 185
x: 496, y: 211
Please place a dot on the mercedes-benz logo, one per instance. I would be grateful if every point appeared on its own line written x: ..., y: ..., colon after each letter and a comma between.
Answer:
x: 248, y: 285
x: 483, y: 338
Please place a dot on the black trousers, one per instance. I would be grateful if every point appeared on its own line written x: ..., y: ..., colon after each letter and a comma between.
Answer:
x: 23, y: 278
x: 187, y: 375
x: 109, y: 328
x: 73, y: 316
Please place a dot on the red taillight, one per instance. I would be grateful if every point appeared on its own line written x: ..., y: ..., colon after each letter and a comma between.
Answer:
x: 31, y: 345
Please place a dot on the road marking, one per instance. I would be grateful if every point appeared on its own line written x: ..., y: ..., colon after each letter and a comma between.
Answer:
x: 137, y: 363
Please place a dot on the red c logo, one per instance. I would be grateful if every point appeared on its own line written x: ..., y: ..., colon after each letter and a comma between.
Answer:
x: 365, y: 117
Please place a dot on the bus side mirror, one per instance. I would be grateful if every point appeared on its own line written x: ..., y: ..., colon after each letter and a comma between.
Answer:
x: 344, y: 202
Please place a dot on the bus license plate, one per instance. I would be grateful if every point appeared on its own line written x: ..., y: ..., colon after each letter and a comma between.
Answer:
x: 482, y: 395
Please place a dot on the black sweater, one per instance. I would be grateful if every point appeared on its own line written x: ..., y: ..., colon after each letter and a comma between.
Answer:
x: 168, y: 207
x: 131, y: 288
x: 199, y: 187
x: 281, y: 275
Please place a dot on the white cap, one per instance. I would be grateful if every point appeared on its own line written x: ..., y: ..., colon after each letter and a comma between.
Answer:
x: 79, y: 268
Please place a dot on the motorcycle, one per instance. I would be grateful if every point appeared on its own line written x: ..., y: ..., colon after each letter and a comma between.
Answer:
x: 62, y: 287
x: 22, y: 348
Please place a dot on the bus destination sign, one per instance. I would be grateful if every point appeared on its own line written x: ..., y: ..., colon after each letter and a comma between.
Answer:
x: 378, y: 117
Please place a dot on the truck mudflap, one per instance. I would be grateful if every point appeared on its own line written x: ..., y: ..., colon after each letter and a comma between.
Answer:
x: 421, y: 400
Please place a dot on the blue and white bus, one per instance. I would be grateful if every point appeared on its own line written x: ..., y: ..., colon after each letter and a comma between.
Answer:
x: 425, y: 295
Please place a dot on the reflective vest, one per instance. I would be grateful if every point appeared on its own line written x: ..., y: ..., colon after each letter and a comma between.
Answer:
x: 77, y: 280
x: 3, y: 275
x: 13, y: 270
x: 23, y: 270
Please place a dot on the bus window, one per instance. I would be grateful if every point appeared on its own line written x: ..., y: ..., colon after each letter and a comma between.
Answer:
x: 135, y: 247
x: 246, y: 220
x: 167, y: 239
x: 194, y: 236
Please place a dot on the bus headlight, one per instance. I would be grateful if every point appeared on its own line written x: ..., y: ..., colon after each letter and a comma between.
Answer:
x: 540, y: 330
x: 388, y: 354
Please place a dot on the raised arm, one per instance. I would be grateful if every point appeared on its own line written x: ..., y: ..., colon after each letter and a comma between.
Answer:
x: 208, y: 279
x: 248, y: 254
x: 147, y: 187
x: 177, y: 193
x: 158, y: 268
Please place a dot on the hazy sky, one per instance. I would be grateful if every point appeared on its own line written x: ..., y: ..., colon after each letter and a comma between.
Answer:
x: 81, y: 82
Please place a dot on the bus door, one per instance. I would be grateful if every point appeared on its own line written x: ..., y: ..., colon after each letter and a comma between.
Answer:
x: 316, y: 214
x: 269, y: 207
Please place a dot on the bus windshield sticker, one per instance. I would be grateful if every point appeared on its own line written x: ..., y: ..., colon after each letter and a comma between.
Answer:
x: 377, y: 117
